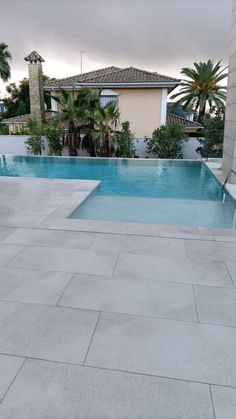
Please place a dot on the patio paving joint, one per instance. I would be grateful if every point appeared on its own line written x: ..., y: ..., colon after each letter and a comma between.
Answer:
x: 99, y: 315
x: 11, y: 383
x: 212, y: 401
x: 195, y: 302
x: 234, y: 285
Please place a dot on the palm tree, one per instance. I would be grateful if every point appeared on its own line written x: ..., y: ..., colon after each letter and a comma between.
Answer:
x: 201, y: 88
x: 5, y: 57
x: 105, y: 121
x: 74, y: 114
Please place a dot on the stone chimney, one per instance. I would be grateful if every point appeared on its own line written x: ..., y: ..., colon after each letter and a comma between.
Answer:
x: 36, y: 85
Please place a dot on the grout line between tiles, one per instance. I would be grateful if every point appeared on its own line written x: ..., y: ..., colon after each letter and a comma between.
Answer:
x: 90, y: 343
x: 212, y: 401
x: 13, y: 380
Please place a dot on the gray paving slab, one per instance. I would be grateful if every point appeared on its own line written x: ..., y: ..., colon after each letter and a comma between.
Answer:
x: 9, y: 367
x: 216, y: 305
x: 140, y: 244
x: 56, y: 391
x: 67, y: 260
x: 56, y: 238
x: 7, y: 252
x: 167, y: 348
x: 44, y: 332
x: 171, y: 269
x: 32, y: 286
x: 211, y: 250
x: 224, y: 399
x: 147, y: 298
x: 5, y: 231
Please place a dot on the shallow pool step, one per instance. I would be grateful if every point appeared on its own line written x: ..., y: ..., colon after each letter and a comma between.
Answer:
x: 157, y: 211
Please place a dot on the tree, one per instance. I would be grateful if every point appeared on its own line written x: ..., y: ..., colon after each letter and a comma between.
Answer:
x: 212, y: 143
x: 5, y: 57
x: 18, y: 94
x: 105, y: 120
x: 202, y: 88
x: 125, y: 146
x: 22, y: 108
x: 167, y: 142
x: 75, y: 115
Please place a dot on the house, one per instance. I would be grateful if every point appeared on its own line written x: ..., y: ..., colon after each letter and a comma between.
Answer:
x: 141, y: 95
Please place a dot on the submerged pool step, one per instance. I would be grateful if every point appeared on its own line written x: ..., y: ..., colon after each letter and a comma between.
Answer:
x: 204, y: 213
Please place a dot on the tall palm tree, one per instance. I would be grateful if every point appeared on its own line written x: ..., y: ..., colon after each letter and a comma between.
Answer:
x: 201, y: 88
x: 5, y: 57
x: 105, y: 121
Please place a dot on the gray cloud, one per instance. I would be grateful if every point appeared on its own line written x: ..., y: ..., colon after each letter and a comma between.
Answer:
x: 161, y: 35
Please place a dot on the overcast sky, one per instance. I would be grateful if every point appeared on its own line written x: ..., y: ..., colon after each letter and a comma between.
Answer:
x: 159, y: 35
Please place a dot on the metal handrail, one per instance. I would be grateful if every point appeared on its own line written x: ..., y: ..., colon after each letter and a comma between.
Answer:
x: 227, y: 177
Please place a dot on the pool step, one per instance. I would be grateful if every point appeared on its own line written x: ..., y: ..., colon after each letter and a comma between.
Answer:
x: 157, y: 210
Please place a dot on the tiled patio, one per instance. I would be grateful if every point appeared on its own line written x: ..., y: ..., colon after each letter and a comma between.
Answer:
x: 111, y: 321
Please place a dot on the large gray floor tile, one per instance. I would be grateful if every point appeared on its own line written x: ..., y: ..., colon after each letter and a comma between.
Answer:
x: 53, y: 333
x: 5, y: 231
x: 167, y: 348
x: 32, y: 286
x: 7, y: 252
x: 224, y: 400
x: 68, y: 260
x: 216, y: 305
x: 56, y: 238
x: 140, y: 244
x: 55, y: 391
x: 211, y: 250
x: 9, y: 367
x: 171, y: 269
x: 148, y: 298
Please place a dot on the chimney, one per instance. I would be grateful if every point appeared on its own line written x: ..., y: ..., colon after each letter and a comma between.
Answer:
x: 36, y: 85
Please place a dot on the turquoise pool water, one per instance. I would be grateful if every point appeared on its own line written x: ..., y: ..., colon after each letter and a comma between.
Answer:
x: 151, y: 191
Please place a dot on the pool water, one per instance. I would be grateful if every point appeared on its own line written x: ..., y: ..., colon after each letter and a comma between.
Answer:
x: 149, y: 191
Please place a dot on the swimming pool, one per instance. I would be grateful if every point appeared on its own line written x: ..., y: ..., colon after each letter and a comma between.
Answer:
x: 150, y: 191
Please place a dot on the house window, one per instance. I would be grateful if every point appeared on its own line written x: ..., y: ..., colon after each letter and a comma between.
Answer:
x: 108, y: 96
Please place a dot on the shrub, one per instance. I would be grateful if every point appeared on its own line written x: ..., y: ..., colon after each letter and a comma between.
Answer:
x: 4, y: 129
x: 212, y: 144
x: 125, y: 146
x: 34, y: 144
x: 167, y: 142
x: 53, y: 136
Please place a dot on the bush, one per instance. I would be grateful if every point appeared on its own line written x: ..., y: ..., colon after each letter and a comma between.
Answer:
x: 167, y: 142
x: 4, y: 129
x: 125, y: 146
x: 53, y: 136
x: 212, y: 144
x: 34, y: 144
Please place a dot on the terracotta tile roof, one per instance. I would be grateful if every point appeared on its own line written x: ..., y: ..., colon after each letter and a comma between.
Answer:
x: 17, y: 119
x: 24, y: 118
x: 185, y: 123
x: 114, y: 75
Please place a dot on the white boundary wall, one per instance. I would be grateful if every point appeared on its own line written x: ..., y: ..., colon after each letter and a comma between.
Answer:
x: 15, y: 145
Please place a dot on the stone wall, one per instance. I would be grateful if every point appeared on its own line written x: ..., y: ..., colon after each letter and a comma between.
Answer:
x: 229, y: 158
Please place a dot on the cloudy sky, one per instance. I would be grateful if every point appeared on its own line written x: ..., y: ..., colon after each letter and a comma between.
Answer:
x: 159, y: 35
